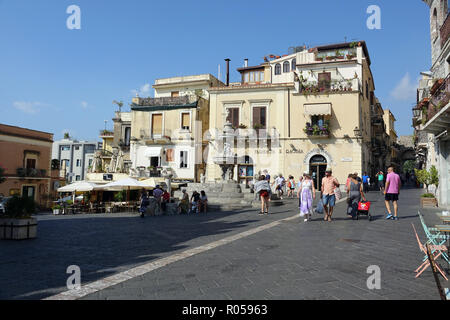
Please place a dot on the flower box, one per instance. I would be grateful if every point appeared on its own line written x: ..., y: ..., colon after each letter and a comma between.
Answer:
x: 351, y: 56
x: 329, y: 58
x: 428, y: 202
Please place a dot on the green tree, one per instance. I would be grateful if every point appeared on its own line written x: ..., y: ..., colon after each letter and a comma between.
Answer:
x: 66, y: 135
x: 423, y: 176
x: 434, y: 177
x: 409, y: 166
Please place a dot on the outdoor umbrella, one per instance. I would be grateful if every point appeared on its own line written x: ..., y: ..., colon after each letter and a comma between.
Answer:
x: 124, y: 184
x: 80, y: 186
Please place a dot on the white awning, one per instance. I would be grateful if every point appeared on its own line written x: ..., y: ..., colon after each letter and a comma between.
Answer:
x: 153, y: 152
x: 317, y: 109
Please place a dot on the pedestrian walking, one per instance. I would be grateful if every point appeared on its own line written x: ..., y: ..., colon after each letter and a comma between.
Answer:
x: 279, y: 183
x: 391, y: 192
x: 357, y: 177
x: 354, y: 195
x: 365, y: 181
x: 144, y: 202
x: 203, y: 201
x: 165, y: 200
x: 291, y: 187
x: 183, y: 206
x: 307, y: 193
x: 266, y: 175
x: 329, y: 183
x: 263, y: 190
x: 380, y: 177
x: 157, y: 194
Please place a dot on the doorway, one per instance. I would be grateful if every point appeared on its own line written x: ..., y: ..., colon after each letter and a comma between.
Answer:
x: 317, y: 167
x: 154, y: 162
x: 29, y: 192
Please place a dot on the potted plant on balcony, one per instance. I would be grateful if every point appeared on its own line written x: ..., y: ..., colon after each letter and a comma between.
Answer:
x: 339, y: 55
x: 17, y: 223
x: 329, y: 58
x: 319, y: 58
x: 308, y: 129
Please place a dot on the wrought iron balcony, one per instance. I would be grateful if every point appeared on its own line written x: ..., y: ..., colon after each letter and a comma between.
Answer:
x: 31, y: 172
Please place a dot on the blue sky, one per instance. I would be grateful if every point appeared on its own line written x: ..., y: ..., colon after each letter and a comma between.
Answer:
x: 55, y: 79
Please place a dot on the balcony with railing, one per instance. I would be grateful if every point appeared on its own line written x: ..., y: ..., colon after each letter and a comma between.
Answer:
x: 327, y: 87
x: 317, y: 130
x: 106, y: 134
x: 157, y: 137
x: 31, y: 173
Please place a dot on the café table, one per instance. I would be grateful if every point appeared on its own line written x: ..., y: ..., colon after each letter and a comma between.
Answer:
x: 445, y: 218
x: 445, y: 228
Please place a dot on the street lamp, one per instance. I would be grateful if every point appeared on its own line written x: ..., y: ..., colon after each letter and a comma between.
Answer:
x: 357, y: 132
x: 416, y: 112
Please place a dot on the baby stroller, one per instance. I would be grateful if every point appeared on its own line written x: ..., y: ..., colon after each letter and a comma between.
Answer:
x: 364, y: 209
x: 194, y: 207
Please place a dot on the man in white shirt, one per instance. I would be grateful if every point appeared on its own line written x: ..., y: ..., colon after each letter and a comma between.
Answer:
x: 279, y: 183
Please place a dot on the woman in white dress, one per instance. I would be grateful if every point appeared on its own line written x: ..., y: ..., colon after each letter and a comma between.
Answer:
x: 307, y: 193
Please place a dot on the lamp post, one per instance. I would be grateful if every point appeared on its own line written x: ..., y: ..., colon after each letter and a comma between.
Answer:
x: 416, y: 112
x: 357, y: 133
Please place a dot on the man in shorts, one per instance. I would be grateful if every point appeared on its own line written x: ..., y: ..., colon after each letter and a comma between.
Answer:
x: 391, y: 192
x: 329, y: 183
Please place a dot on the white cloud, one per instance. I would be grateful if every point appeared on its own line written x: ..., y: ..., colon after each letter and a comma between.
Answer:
x: 84, y: 104
x: 144, y: 91
x: 28, y: 107
x: 405, y: 89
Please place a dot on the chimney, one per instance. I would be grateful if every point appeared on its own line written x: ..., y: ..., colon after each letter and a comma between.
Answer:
x: 245, y: 63
x: 228, y: 71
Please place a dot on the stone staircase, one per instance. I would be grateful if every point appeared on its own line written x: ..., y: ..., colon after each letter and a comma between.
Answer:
x: 226, y: 196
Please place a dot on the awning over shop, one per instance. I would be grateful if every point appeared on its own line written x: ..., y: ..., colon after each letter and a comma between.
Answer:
x: 153, y: 152
x: 317, y: 109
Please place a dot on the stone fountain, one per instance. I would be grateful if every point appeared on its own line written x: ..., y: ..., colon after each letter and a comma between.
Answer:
x: 227, y: 160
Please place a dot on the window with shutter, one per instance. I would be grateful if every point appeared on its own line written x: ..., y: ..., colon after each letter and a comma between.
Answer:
x: 183, y: 159
x: 259, y: 117
x: 286, y: 66
x: 325, y: 80
x: 278, y: 69
x: 157, y: 124
x: 169, y: 155
x: 185, y: 121
x: 175, y: 94
x: 31, y: 163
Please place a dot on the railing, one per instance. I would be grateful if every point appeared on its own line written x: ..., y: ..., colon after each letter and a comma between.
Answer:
x: 333, y: 86
x: 106, y: 133
x: 31, y: 172
x: 439, y: 99
x: 316, y: 130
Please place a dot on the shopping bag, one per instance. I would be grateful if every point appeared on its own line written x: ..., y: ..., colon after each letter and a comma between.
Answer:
x: 364, y: 206
x: 337, y: 193
x: 319, y: 208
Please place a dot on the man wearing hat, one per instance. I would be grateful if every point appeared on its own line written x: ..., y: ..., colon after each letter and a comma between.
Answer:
x: 329, y: 183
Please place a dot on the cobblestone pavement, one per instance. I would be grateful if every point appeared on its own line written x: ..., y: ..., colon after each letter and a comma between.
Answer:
x: 291, y: 260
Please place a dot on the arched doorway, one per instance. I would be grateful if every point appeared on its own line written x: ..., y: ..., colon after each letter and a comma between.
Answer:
x: 317, y: 167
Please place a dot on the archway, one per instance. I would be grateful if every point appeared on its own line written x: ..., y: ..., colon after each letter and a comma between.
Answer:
x: 317, y: 166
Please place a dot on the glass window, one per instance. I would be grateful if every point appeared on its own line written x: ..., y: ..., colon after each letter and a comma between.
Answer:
x: 127, y: 136
x: 65, y: 148
x: 77, y: 178
x: 286, y: 66
x: 294, y: 63
x: 31, y: 163
x: 278, y: 68
x: 261, y: 76
x: 259, y: 117
x: 325, y: 80
x: 252, y: 76
x: 183, y: 159
x: 246, y: 77
x: 78, y: 163
x: 185, y: 120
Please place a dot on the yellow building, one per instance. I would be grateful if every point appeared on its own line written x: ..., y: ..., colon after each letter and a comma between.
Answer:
x: 107, y: 148
x: 314, y: 106
x: 389, y: 120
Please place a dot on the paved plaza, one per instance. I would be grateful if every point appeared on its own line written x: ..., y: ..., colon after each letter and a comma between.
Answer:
x: 225, y: 255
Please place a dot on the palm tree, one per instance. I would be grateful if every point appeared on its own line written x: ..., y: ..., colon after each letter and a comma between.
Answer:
x: 119, y: 104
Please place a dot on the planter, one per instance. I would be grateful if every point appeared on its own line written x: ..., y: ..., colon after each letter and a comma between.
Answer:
x: 330, y: 58
x: 339, y: 57
x: 319, y: 59
x: 350, y: 56
x: 18, y: 229
x: 428, y: 202
x: 55, y: 211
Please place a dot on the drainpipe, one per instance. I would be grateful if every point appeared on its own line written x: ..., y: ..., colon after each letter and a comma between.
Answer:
x: 289, y: 113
